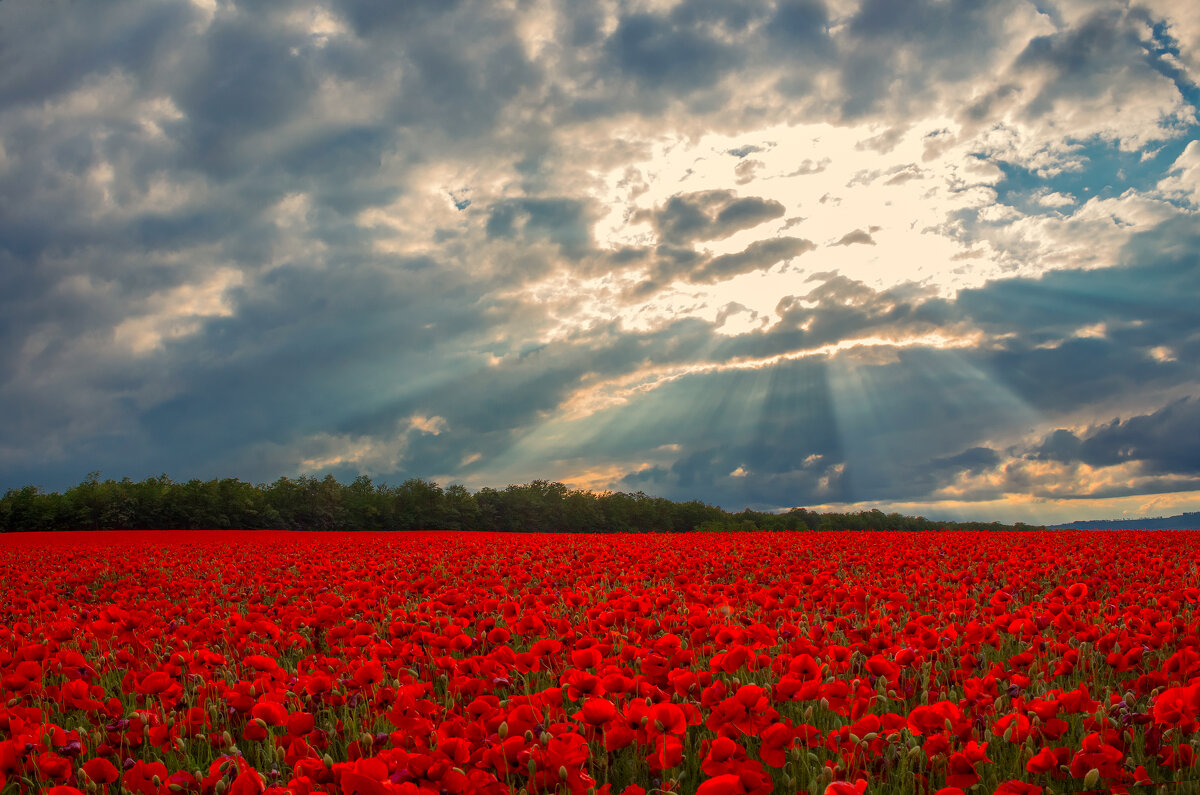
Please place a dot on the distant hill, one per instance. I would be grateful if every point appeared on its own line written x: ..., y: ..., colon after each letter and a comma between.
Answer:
x: 1184, y: 521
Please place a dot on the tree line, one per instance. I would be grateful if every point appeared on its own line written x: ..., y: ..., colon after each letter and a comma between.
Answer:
x: 311, y: 503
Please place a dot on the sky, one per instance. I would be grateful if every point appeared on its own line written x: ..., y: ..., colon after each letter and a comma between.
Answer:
x: 930, y: 256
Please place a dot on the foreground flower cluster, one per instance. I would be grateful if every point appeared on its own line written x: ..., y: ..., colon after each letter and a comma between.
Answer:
x: 719, y: 664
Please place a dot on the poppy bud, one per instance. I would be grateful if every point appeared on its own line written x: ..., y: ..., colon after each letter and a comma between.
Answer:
x: 227, y: 738
x: 854, y: 739
x: 545, y: 738
x: 328, y: 760
x: 658, y: 724
x: 262, y: 724
x: 1008, y: 734
x: 221, y: 787
x: 824, y: 703
x: 528, y: 735
x: 1091, y: 779
x: 532, y: 768
x: 562, y: 773
x: 175, y: 788
x: 914, y: 753
x: 869, y: 736
x: 502, y: 729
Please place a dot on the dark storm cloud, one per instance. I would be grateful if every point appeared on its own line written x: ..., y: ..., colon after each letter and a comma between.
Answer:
x: 857, y: 236
x: 900, y: 51
x: 376, y: 17
x: 1163, y: 441
x: 974, y: 460
x: 759, y: 255
x: 51, y: 48
x: 226, y: 115
x: 708, y: 215
x: 1089, y: 60
x: 801, y: 435
x: 563, y: 221
x: 670, y: 263
x: 245, y: 80
x: 673, y: 53
x: 803, y: 24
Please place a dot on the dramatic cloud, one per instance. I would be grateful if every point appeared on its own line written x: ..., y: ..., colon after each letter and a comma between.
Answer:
x: 935, y: 256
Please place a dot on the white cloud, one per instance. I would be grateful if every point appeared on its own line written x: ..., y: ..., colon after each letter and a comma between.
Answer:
x: 178, y: 312
x: 1183, y: 177
x: 432, y: 425
x: 1056, y: 199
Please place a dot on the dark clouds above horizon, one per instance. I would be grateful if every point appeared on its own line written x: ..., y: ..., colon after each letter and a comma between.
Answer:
x: 934, y: 256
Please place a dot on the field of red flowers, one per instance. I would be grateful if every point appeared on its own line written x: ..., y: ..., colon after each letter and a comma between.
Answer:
x: 718, y: 664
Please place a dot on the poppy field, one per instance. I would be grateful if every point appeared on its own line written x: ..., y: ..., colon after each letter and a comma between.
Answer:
x: 720, y: 664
